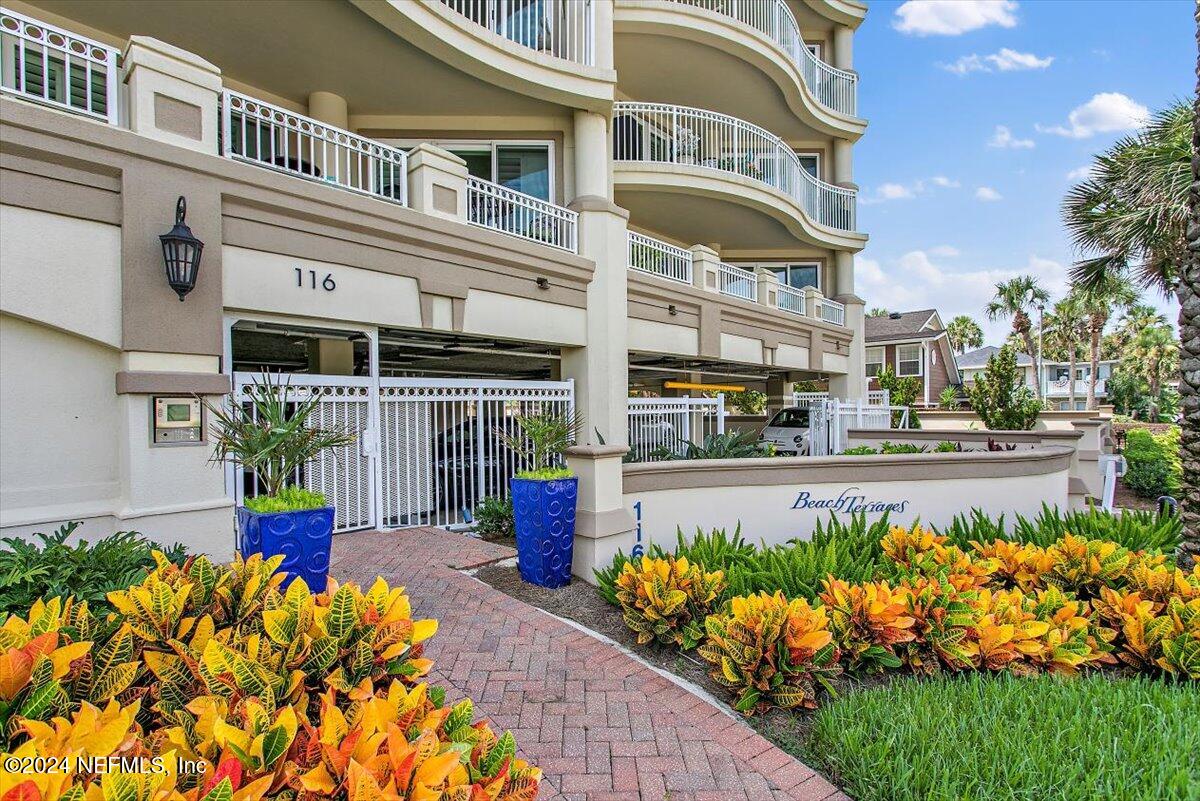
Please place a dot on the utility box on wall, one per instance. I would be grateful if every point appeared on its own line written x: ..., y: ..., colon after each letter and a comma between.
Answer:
x: 178, y: 421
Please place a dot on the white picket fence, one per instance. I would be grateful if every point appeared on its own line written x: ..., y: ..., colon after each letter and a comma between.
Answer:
x: 830, y: 421
x: 658, y: 426
x: 875, y: 397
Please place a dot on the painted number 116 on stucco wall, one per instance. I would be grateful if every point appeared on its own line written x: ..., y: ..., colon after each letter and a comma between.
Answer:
x: 638, y: 548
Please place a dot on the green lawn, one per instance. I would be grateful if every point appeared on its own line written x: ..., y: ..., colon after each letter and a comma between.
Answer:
x: 1002, y: 738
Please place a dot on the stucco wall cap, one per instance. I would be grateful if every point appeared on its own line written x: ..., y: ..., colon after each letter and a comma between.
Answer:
x: 974, y: 434
x: 140, y: 46
x: 597, y: 203
x: 425, y: 150
x: 849, y: 299
x: 596, y: 451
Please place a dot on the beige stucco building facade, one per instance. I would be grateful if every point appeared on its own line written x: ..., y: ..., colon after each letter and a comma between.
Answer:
x: 612, y: 193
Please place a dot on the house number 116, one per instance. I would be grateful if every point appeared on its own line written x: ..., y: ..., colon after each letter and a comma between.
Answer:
x: 327, y: 283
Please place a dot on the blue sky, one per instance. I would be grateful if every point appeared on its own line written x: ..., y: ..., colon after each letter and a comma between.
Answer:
x: 981, y: 112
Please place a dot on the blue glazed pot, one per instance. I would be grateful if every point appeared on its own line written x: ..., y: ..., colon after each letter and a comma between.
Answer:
x: 545, y: 517
x: 303, y: 537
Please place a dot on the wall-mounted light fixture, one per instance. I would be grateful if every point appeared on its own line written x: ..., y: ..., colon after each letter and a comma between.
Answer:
x: 181, y: 253
x: 543, y: 282
x: 671, y: 310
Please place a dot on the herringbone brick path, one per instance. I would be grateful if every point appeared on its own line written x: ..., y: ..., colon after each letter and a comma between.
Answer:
x: 601, y: 725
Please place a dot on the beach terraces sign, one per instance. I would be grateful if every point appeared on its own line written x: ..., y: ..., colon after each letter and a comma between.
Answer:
x: 853, y: 500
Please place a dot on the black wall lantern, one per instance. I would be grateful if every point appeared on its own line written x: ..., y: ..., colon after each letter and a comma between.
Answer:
x: 181, y: 253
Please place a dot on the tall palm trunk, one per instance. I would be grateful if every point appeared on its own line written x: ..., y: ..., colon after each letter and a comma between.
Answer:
x: 1189, y: 339
x: 1071, y: 377
x: 1097, y: 327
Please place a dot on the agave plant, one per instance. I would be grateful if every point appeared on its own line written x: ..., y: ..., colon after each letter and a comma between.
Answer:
x: 270, y: 433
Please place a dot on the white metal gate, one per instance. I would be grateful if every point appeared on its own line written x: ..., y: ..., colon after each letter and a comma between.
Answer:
x: 344, y: 475
x: 428, y: 450
x: 830, y: 420
x: 442, y: 448
x: 658, y: 425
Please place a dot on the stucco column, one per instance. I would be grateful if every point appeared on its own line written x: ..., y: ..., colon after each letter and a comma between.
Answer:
x: 329, y: 108
x: 768, y: 288
x: 705, y: 266
x: 173, y: 94
x: 852, y: 385
x: 602, y: 524
x: 843, y: 163
x: 604, y: 34
x: 843, y: 47
x: 591, y: 155
x: 437, y: 182
x: 779, y: 394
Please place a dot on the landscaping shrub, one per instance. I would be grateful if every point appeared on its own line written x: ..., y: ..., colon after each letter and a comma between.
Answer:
x: 667, y: 599
x: 729, y: 445
x: 900, y: 447
x: 275, y: 693
x: 1000, y: 397
x: 1133, y: 529
x: 860, y: 450
x: 715, y: 550
x: 29, y: 571
x: 770, y: 651
x: 290, y: 499
x: 494, y: 518
x: 1153, y: 466
x: 997, y: 737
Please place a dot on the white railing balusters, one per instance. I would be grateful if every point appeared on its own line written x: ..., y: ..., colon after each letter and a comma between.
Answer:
x: 564, y: 30
x: 653, y: 256
x: 274, y: 137
x: 737, y: 283
x: 660, y: 428
x: 790, y: 299
x: 834, y: 88
x: 831, y: 311
x: 48, y: 65
x: 491, y: 205
x: 659, y: 132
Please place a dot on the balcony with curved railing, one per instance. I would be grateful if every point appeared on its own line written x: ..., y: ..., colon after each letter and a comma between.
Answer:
x: 566, y: 30
x: 661, y: 133
x: 835, y: 89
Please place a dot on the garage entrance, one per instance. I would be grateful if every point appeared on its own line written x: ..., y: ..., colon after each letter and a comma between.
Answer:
x: 431, y: 427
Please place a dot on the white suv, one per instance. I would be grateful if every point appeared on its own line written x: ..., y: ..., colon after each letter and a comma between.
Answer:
x: 788, y: 432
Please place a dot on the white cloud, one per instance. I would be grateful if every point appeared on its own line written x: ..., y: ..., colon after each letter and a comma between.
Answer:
x: 1104, y: 113
x: 944, y: 250
x: 1079, y: 173
x: 1003, y: 60
x: 916, y: 280
x: 953, y: 17
x: 987, y: 194
x: 1003, y: 138
x: 896, y: 191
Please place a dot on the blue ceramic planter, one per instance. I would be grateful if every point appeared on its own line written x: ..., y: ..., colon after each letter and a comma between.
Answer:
x: 302, y: 537
x: 545, y: 518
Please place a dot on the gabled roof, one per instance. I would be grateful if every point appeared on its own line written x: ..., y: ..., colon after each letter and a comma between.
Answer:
x: 921, y: 324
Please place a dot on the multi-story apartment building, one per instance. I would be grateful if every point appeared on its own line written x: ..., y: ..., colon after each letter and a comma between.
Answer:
x: 428, y: 213
x: 1055, y: 378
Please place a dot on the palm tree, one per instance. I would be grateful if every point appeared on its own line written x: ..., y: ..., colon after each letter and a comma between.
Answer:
x: 1016, y: 298
x: 1154, y: 356
x: 1139, y: 214
x: 964, y: 333
x: 1099, y: 300
x: 876, y: 311
x: 1066, y: 329
x: 1136, y: 319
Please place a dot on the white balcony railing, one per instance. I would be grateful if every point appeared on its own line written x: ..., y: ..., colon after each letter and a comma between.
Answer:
x: 565, y: 30
x: 276, y: 138
x: 653, y: 256
x: 1062, y: 387
x: 833, y: 88
x: 790, y: 299
x: 737, y: 283
x: 657, y: 132
x: 515, y: 213
x: 48, y: 65
x: 831, y: 311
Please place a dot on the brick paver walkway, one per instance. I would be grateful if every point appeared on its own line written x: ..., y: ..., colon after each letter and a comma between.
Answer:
x: 601, y: 725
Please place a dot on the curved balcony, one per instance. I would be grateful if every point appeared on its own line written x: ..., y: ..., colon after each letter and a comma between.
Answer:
x: 834, y: 88
x: 725, y: 154
x: 535, y: 48
x: 741, y: 56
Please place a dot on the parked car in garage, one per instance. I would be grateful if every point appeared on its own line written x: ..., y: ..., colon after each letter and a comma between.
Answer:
x: 788, y: 431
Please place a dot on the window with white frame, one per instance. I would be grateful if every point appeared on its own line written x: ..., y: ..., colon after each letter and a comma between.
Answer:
x: 875, y: 357
x: 908, y: 360
x: 810, y: 163
x: 526, y: 166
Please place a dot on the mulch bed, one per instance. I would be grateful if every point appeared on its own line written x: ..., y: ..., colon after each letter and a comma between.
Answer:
x: 1124, y: 498
x: 583, y: 604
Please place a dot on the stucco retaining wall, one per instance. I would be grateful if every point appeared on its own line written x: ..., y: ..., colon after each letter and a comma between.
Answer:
x: 778, y: 499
